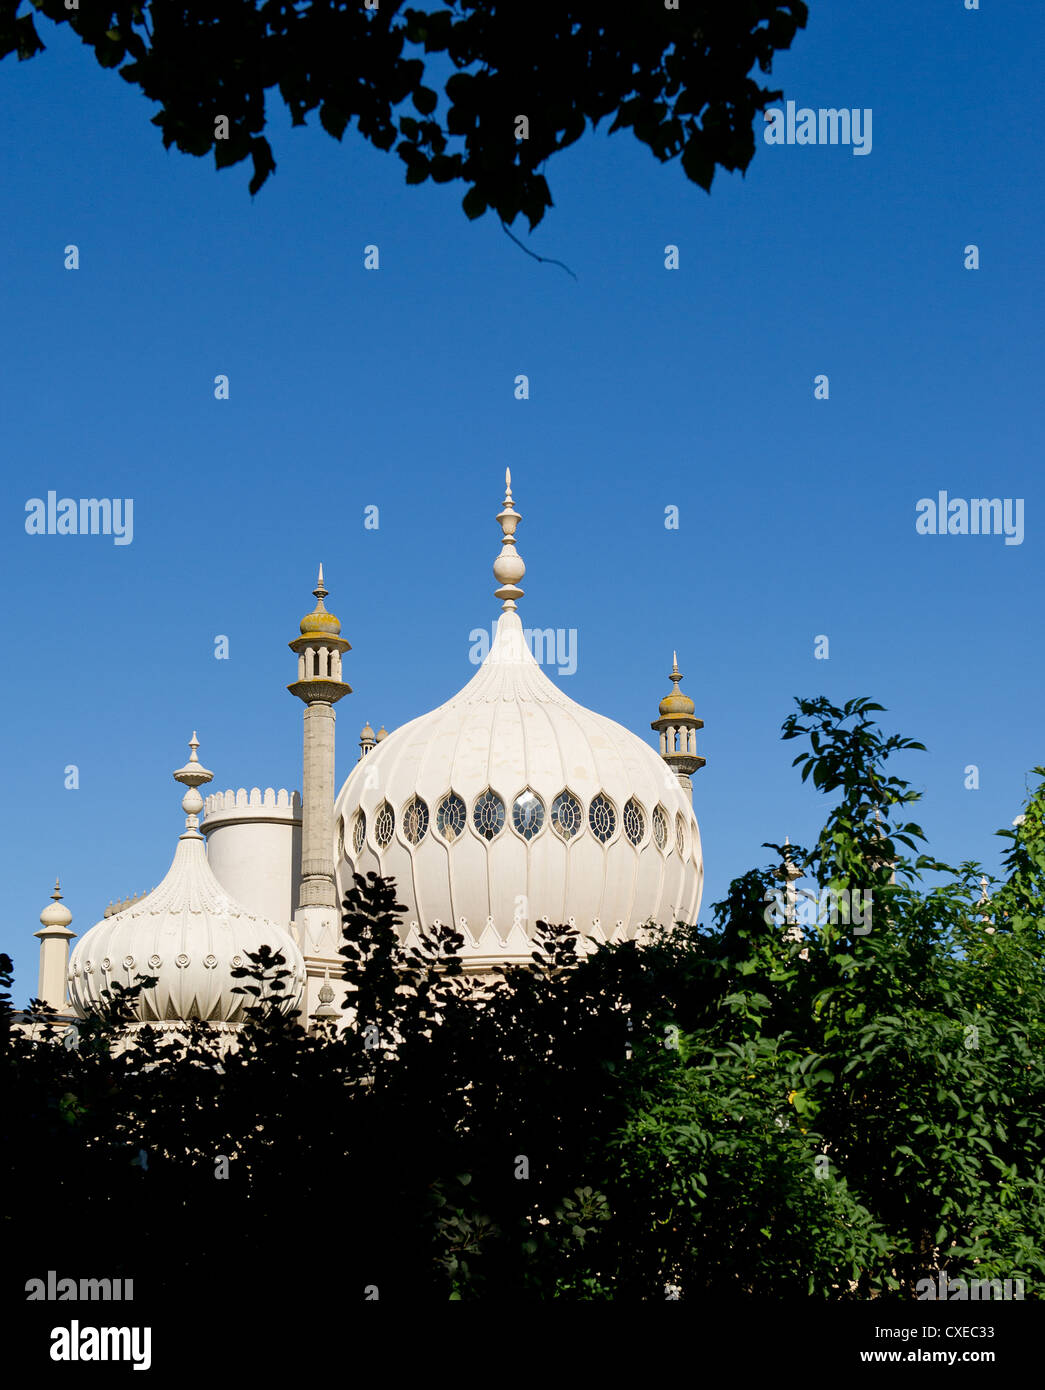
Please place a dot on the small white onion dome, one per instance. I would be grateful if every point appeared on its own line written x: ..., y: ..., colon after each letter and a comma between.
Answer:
x: 56, y: 914
x: 511, y: 803
x: 188, y: 933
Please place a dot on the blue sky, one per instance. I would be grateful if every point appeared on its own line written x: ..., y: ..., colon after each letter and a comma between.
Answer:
x: 649, y: 388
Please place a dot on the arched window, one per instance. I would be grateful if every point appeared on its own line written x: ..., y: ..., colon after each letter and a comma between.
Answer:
x: 359, y: 831
x: 660, y: 827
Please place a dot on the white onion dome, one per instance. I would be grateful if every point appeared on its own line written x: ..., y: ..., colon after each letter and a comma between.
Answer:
x: 56, y: 914
x: 511, y: 804
x: 188, y: 932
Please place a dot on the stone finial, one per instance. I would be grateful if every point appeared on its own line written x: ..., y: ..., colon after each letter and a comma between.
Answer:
x: 193, y: 775
x: 508, y: 568
x: 326, y: 1009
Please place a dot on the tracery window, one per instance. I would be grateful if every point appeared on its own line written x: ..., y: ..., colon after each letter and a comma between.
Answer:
x: 384, y: 824
x: 566, y: 815
x: 415, y: 820
x: 680, y: 834
x: 602, y: 818
x: 450, y: 816
x: 634, y: 822
x: 488, y: 814
x: 359, y: 831
x: 528, y: 814
x: 660, y: 827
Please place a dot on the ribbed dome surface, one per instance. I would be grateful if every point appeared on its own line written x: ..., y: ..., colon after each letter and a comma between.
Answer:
x: 190, y: 934
x: 470, y: 809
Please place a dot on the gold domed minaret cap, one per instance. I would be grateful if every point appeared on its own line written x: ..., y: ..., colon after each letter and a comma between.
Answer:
x: 508, y: 568
x: 676, y: 702
x: 319, y: 620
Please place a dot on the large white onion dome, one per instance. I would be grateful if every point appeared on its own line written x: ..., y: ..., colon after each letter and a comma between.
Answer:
x: 511, y: 804
x: 187, y: 932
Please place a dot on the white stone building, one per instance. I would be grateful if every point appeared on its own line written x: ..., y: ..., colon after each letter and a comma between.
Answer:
x: 508, y: 804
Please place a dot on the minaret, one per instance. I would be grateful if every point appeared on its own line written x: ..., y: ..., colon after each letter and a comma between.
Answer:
x: 787, y: 874
x: 678, y: 731
x: 319, y: 650
x: 367, y: 741
x: 54, y: 952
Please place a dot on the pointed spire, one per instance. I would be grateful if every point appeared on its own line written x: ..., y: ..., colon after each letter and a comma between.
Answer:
x: 508, y: 568
x: 320, y: 591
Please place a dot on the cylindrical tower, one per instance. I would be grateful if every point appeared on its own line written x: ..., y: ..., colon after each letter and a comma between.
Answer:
x: 254, y: 848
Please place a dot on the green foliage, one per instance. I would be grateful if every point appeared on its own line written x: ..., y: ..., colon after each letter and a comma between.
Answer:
x: 826, y: 1110
x: 680, y: 80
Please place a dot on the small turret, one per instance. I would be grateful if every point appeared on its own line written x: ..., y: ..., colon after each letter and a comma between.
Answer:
x: 678, y: 727
x: 54, y: 938
x: 367, y: 740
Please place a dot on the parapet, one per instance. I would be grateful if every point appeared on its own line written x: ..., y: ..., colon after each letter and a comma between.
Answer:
x: 255, y: 805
